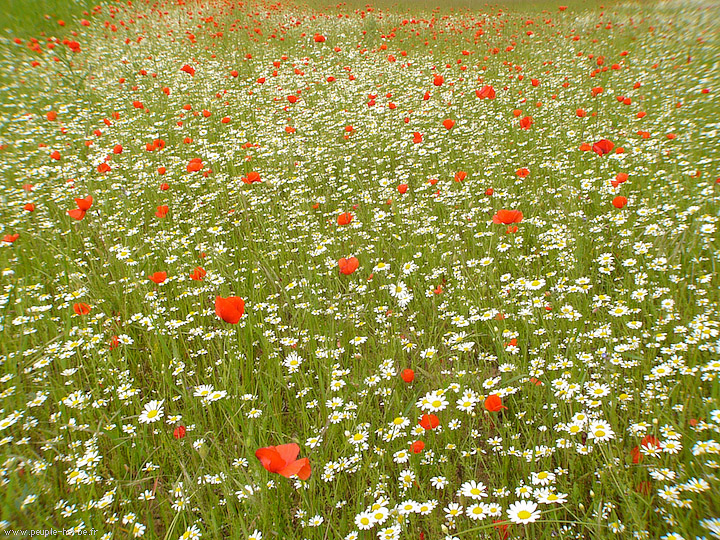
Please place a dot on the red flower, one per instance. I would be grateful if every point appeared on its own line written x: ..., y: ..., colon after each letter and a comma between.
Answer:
x: 522, y: 173
x: 449, y: 124
x: 10, y: 238
x: 55, y: 155
x: 282, y: 460
x: 493, y: 403
x: 103, y: 168
x: 158, y: 277
x: 30, y: 207
x: 438, y: 80
x: 619, y: 201
x: 348, y: 266
x: 195, y: 165
x: 229, y: 309
x: 345, y: 218
x: 407, y: 375
x: 251, y: 177
x: 162, y: 211
x: 188, y: 69
x: 402, y: 188
x: 417, y: 447
x: 429, y: 421
x: 76, y: 213
x: 164, y: 186
x: 319, y: 38
x: 506, y: 217
x: 603, y: 147
x: 417, y: 137
x: 179, y: 432
x: 526, y: 122
x: 198, y: 274
x: 81, y: 308
x: 84, y: 204
x: 581, y: 113
x: 460, y: 176
x: 486, y: 92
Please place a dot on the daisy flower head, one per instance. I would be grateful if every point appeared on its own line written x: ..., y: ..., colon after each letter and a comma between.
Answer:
x: 523, y: 512
x: 152, y: 412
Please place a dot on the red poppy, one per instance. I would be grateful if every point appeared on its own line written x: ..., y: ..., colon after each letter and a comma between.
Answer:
x: 195, y: 165
x: 179, y: 432
x: 486, y: 92
x: 345, y: 218
x: 349, y: 265
x: 489, y: 192
x: 292, y: 99
x: 507, y: 217
x: 81, y: 308
x: 319, y: 38
x: 103, y: 168
x: 526, y: 122
x: 581, y: 113
x: 251, y: 177
x: 164, y: 186
x: 198, y: 274
x: 158, y: 277
x: 30, y: 207
x: 162, y: 211
x: 77, y: 214
x: 229, y: 309
x: 417, y: 137
x: 429, y: 421
x: 619, y: 201
x: 283, y: 460
x: 602, y: 147
x: 417, y: 447
x: 10, y: 238
x: 117, y: 149
x: 523, y: 172
x: 188, y: 69
x: 84, y: 204
x: 402, y: 188
x: 438, y: 80
x: 51, y: 115
x: 407, y: 375
x: 449, y: 124
x: 493, y: 403
x: 460, y: 176
x: 55, y: 155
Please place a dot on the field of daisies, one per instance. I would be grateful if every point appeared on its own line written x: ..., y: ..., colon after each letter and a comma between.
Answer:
x: 350, y: 271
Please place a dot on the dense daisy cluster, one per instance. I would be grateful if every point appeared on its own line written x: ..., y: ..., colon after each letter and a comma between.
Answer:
x: 279, y: 271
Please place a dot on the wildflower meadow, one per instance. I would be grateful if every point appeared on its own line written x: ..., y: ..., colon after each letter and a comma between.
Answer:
x: 342, y: 271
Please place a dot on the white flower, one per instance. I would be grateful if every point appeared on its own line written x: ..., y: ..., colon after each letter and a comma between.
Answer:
x: 152, y: 412
x: 523, y: 512
x: 600, y: 431
x: 473, y: 489
x: 364, y: 521
x: 475, y: 511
